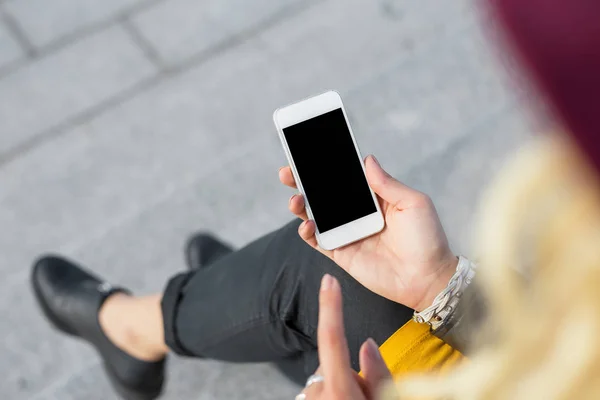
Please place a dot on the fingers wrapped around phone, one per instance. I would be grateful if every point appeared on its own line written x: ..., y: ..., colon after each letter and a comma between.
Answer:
x: 307, y: 230
x: 297, y: 207
x: 286, y: 177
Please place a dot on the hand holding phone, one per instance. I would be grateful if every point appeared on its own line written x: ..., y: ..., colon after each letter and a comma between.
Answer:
x: 409, y: 261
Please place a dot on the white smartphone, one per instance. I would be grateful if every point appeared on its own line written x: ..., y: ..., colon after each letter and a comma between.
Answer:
x: 329, y: 170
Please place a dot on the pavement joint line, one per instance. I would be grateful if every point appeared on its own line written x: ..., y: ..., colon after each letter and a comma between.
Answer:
x: 18, y: 33
x: 145, y: 46
x: 57, y: 130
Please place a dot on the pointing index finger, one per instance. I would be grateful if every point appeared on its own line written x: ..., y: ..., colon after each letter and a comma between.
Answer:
x: 333, y: 348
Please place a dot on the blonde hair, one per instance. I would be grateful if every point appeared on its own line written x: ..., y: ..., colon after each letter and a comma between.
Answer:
x: 539, y: 239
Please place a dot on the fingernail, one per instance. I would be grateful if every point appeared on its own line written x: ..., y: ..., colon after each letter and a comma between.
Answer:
x: 291, y: 198
x: 373, y: 350
x: 326, y: 282
x: 376, y: 160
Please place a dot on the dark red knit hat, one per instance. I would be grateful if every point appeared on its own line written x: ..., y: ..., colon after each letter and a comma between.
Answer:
x: 558, y: 41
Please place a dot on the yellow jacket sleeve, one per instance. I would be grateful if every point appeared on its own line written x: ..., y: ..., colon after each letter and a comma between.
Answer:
x: 414, y: 349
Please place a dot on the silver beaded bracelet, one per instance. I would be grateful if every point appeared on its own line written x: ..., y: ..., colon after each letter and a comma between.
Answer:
x: 445, y: 303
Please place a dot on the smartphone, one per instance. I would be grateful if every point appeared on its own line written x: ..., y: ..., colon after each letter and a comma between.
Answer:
x: 329, y: 170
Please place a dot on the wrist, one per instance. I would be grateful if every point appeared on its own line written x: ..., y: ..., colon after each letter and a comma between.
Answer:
x: 440, y: 280
x: 446, y: 302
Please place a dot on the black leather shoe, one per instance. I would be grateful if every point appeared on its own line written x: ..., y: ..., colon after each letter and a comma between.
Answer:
x: 70, y: 298
x: 203, y: 249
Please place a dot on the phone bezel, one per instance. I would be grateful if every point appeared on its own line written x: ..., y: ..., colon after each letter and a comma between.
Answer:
x: 302, y: 111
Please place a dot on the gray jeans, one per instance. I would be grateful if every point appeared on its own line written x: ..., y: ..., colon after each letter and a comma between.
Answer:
x: 260, y: 303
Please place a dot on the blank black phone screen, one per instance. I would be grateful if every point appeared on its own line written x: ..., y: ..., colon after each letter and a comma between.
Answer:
x: 330, y: 170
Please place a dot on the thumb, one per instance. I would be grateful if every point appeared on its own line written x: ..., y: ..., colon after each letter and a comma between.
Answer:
x: 386, y: 187
x: 373, y: 368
